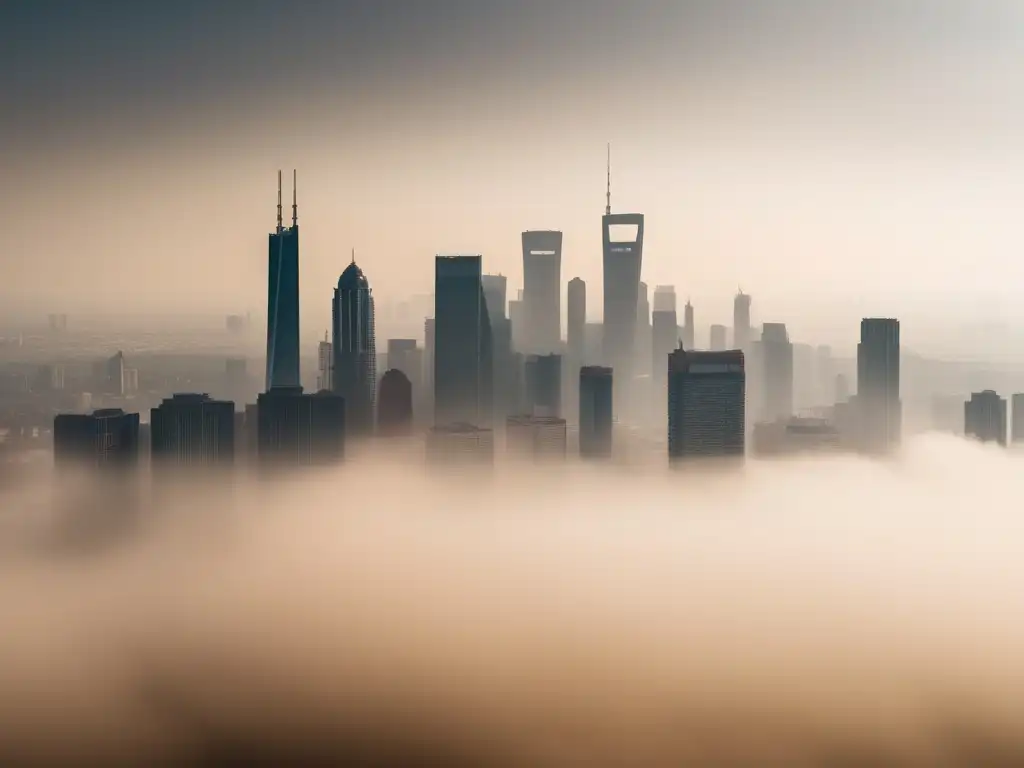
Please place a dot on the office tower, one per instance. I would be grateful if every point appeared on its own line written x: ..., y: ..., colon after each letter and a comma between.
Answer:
x: 429, y: 337
x: 664, y: 298
x: 1017, y: 416
x: 394, y: 408
x: 842, y: 389
x: 878, y: 383
x: 300, y: 430
x: 283, y: 298
x: 535, y: 436
x: 577, y: 309
x: 718, y: 336
x: 596, y: 395
x: 622, y: 236
x: 985, y: 417
x: 544, y: 385
x: 105, y: 439
x: 664, y: 340
x: 542, y: 291
x: 191, y: 430
x: 459, y: 445
x: 496, y: 295
x: 463, y: 344
x: 324, y: 365
x: 517, y: 320
x: 109, y: 375
x: 642, y: 344
x: 777, y: 368
x: 689, y: 334
x: 706, y: 405
x: 355, y: 349
x: 741, y: 321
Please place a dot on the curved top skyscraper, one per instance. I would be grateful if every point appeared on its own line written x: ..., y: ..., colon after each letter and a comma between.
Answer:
x: 355, y: 348
x: 283, y: 299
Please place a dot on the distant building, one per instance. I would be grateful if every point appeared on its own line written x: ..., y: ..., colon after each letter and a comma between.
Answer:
x: 355, y: 350
x: 689, y: 333
x: 324, y: 366
x: 718, y: 336
x: 622, y: 247
x: 741, y: 322
x: 878, y: 384
x: 406, y: 356
x: 236, y: 378
x: 777, y: 362
x: 110, y: 375
x: 463, y: 345
x: 283, y: 367
x: 429, y: 338
x: 104, y: 439
x: 537, y: 437
x: 706, y: 405
x: 664, y: 340
x: 544, y: 385
x: 1017, y: 415
x: 596, y: 397
x: 460, y: 444
x: 495, y: 295
x: 842, y: 392
x: 795, y: 436
x: 191, y: 430
x: 642, y: 344
x: 542, y: 291
x: 985, y: 417
x: 517, y: 321
x: 394, y: 406
x: 576, y: 333
x: 300, y: 430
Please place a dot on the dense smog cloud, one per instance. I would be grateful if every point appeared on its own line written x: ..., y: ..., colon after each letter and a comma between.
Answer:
x: 815, y: 612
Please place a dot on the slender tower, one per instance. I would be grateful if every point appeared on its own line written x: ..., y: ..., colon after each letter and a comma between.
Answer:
x: 283, y: 298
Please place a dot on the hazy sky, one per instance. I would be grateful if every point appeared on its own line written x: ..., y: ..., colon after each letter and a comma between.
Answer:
x: 833, y: 159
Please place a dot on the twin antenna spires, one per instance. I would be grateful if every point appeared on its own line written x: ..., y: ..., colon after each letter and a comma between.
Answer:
x: 295, y: 201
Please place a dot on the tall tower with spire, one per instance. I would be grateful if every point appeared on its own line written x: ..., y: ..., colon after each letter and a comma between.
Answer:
x: 283, y: 298
x: 355, y: 348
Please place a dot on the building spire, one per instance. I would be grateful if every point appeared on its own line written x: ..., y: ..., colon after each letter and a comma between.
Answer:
x: 353, y: 255
x: 295, y: 198
x: 280, y: 214
x: 608, y: 191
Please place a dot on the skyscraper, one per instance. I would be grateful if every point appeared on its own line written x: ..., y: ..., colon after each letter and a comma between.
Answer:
x: 718, y: 336
x: 878, y: 383
x: 542, y: 291
x: 688, y: 330
x: 985, y: 417
x: 1017, y: 416
x: 300, y: 430
x: 463, y: 352
x: 622, y: 256
x: 575, y: 334
x: 536, y: 437
x: 394, y: 411
x: 706, y: 405
x: 496, y: 298
x: 105, y: 439
x: 496, y: 295
x: 741, y: 321
x: 193, y: 431
x: 544, y: 385
x: 642, y: 344
x: 777, y: 362
x: 324, y: 365
x: 596, y: 396
x: 283, y: 298
x: 664, y: 339
x: 355, y: 349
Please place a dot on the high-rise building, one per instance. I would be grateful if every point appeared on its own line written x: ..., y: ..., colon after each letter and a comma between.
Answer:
x: 985, y: 417
x: 542, y: 291
x: 460, y: 444
x: 596, y: 396
x: 577, y: 310
x: 517, y: 319
x: 324, y: 366
x: 300, y: 430
x: 741, y: 321
x: 283, y: 368
x: 537, y: 437
x: 406, y: 356
x: 105, y: 439
x: 394, y: 407
x: 463, y: 345
x: 429, y: 338
x: 880, y: 411
x: 706, y: 405
x: 496, y: 296
x: 642, y: 344
x: 777, y: 369
x: 664, y: 340
x: 355, y: 349
x: 544, y: 385
x: 108, y: 375
x: 191, y: 430
x: 689, y: 333
x: 718, y: 336
x: 664, y: 298
x: 1017, y: 416
x: 622, y: 236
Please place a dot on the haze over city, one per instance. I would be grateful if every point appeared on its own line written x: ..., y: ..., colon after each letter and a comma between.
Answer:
x: 646, y: 386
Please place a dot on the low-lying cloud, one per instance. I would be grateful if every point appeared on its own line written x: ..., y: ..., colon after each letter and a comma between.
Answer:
x: 815, y: 612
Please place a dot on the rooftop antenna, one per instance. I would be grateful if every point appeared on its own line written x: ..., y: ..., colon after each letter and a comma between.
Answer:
x: 295, y: 198
x: 353, y: 255
x: 608, y: 192
x: 280, y: 215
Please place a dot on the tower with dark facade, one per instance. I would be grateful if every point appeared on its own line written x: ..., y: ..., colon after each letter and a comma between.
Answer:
x: 595, y: 412
x: 542, y: 291
x: 706, y: 405
x: 300, y: 430
x: 104, y: 439
x: 394, y: 406
x: 879, y: 409
x: 192, y: 431
x: 283, y: 298
x: 354, y: 347
x: 985, y: 417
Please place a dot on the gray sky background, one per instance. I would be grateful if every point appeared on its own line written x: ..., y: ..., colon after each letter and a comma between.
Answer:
x: 833, y: 159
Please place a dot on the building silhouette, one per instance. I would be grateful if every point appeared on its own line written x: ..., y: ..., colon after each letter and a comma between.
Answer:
x: 394, y: 406
x: 543, y: 374
x: 985, y: 417
x: 596, y: 403
x: 622, y: 237
x: 324, y: 365
x: 355, y: 349
x: 460, y: 444
x: 283, y: 368
x: 191, y: 430
x: 300, y: 430
x: 880, y: 411
x: 576, y: 331
x: 105, y: 439
x: 542, y: 291
x: 536, y: 437
x: 717, y: 339
x: 776, y: 352
x: 689, y: 333
x: 741, y: 331
x: 517, y: 319
x: 463, y: 351
x: 495, y: 295
x: 429, y: 339
x: 1017, y: 415
x: 706, y: 405
x: 664, y: 330
x: 405, y: 355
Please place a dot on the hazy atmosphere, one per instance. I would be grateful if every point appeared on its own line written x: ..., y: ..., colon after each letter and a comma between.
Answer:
x: 835, y: 158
